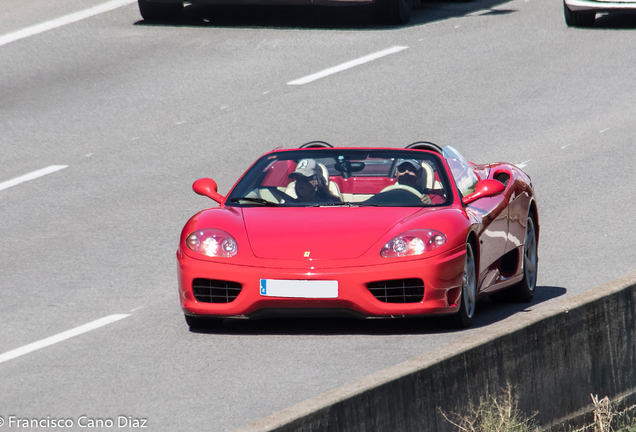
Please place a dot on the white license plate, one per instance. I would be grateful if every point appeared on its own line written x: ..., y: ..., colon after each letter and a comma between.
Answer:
x: 299, y: 288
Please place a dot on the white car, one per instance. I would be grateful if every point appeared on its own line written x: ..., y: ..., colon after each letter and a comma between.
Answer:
x: 582, y: 13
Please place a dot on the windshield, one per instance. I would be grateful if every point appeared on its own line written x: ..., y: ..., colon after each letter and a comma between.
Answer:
x: 463, y: 172
x: 336, y: 177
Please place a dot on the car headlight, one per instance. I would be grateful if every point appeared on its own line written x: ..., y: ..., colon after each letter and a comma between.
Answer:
x: 415, y: 242
x: 212, y: 243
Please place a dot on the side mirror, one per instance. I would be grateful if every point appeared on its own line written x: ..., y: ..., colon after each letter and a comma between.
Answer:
x: 207, y: 187
x: 483, y: 189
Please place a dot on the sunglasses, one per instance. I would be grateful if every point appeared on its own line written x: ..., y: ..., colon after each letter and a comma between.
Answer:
x: 304, y: 179
x: 407, y: 169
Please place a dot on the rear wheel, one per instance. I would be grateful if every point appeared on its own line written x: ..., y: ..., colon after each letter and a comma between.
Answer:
x: 523, y: 292
x: 578, y: 19
x: 197, y: 323
x: 160, y: 12
x: 468, y: 297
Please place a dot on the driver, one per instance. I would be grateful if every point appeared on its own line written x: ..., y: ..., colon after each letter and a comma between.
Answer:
x: 409, y: 173
x: 310, y: 184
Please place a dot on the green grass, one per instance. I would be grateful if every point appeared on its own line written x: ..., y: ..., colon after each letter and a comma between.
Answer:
x: 500, y: 413
x: 626, y: 422
x: 494, y: 414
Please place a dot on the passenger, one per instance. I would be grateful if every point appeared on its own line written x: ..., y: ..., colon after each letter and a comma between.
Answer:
x: 310, y: 184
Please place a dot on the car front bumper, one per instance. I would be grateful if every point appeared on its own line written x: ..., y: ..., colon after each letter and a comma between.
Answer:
x: 442, y: 277
x: 600, y: 6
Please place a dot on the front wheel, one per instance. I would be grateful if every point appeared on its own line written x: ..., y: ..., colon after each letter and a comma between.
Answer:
x: 578, y: 19
x: 160, y: 12
x: 397, y: 12
x: 468, y: 297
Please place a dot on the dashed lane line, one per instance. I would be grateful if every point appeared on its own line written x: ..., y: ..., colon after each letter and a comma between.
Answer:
x: 347, y: 65
x: 18, y: 352
x: 62, y: 21
x: 31, y: 176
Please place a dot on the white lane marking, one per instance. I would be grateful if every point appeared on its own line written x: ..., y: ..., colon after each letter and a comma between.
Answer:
x: 565, y: 146
x: 18, y: 352
x: 347, y: 65
x: 31, y: 176
x: 604, y: 130
x: 523, y: 164
x: 136, y: 309
x: 62, y: 21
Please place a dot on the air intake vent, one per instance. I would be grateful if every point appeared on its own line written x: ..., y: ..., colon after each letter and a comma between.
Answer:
x: 503, y: 177
x: 398, y: 290
x: 215, y: 291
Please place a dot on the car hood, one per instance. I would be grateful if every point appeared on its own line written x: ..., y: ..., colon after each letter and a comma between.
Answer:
x: 319, y: 233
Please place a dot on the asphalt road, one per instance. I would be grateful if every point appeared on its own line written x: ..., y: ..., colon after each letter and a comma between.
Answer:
x: 137, y: 112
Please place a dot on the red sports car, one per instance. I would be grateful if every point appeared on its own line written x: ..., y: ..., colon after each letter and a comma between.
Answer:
x: 364, y: 232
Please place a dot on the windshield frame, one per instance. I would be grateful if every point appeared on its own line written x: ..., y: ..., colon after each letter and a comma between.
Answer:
x: 251, y: 177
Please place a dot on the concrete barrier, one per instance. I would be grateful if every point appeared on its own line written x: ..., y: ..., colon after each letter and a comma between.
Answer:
x: 555, y: 357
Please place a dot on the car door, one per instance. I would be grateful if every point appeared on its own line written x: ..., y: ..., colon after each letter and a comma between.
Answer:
x: 493, y: 236
x: 490, y: 213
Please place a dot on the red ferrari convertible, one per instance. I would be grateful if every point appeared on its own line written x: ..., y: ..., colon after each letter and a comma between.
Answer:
x: 365, y: 232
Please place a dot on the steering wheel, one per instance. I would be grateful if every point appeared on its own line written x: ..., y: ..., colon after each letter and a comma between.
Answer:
x: 278, y: 194
x: 395, y: 196
x: 397, y: 186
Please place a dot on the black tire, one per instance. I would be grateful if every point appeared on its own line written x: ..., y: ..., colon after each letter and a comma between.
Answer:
x: 197, y: 323
x: 578, y: 19
x: 395, y: 12
x: 468, y: 297
x: 523, y: 292
x: 160, y: 12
